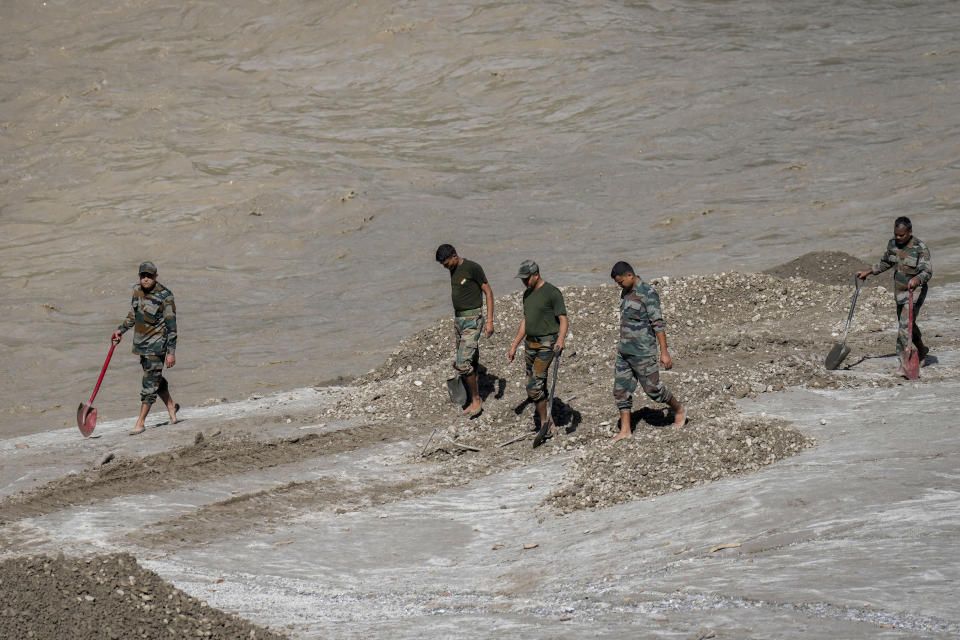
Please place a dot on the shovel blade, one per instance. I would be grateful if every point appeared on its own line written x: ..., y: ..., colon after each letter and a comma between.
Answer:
x: 911, y: 363
x: 458, y: 393
x: 86, y: 419
x: 836, y: 356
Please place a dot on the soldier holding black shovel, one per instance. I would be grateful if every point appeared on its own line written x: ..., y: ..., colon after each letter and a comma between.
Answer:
x: 469, y: 286
x: 910, y: 258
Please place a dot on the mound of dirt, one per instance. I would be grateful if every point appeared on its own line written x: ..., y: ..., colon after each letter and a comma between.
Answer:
x: 731, y: 335
x: 109, y: 596
x: 825, y: 267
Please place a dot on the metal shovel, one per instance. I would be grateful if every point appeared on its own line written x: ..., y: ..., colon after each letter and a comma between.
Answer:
x: 911, y: 359
x: 458, y: 393
x: 86, y: 414
x: 841, y: 350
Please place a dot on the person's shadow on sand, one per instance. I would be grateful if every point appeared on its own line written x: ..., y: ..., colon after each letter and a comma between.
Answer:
x: 926, y: 362
x: 488, y: 384
x: 563, y: 415
x: 659, y: 418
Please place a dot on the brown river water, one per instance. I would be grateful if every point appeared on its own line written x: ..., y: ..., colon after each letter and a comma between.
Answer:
x: 292, y: 165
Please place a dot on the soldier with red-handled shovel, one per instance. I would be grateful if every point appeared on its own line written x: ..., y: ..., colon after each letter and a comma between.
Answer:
x: 913, y: 268
x: 153, y: 318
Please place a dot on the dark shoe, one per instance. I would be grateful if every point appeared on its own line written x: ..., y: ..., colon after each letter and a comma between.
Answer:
x: 922, y: 352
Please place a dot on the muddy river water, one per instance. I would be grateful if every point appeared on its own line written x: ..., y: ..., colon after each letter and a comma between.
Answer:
x: 291, y: 166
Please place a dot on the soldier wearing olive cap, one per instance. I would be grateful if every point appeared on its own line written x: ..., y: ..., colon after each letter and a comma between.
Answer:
x: 543, y: 331
x: 153, y: 318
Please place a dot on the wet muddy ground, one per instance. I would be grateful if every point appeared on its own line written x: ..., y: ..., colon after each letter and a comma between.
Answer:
x: 333, y: 487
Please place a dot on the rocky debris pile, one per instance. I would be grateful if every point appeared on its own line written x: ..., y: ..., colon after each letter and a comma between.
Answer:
x: 658, y: 461
x: 108, y: 596
x: 731, y: 335
x: 825, y: 267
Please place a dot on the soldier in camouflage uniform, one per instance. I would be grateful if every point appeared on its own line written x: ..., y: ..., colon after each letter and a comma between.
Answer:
x: 153, y: 317
x: 641, y: 333
x: 913, y: 268
x: 467, y: 283
x: 543, y: 331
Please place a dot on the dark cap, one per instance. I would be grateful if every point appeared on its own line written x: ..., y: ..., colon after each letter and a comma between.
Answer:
x: 148, y: 267
x: 527, y: 268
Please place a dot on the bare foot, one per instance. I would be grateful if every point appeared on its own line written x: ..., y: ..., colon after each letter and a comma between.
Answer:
x: 680, y: 417
x: 173, y: 412
x: 622, y: 436
x: 137, y: 430
x: 473, y: 407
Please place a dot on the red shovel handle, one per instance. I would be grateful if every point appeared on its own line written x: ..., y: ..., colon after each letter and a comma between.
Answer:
x: 910, y: 320
x: 113, y: 345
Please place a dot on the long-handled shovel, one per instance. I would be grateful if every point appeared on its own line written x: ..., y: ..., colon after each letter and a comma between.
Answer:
x: 86, y: 414
x: 841, y: 350
x: 911, y: 359
x: 545, y: 427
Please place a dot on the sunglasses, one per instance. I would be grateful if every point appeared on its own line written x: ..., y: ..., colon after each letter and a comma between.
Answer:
x: 148, y: 275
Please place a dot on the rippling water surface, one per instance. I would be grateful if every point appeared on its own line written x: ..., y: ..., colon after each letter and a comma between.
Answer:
x: 292, y: 165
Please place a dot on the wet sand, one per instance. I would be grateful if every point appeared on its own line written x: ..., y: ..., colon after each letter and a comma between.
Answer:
x: 793, y: 503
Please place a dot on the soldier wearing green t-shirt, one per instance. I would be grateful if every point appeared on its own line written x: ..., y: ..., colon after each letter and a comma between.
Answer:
x: 543, y: 331
x: 468, y: 287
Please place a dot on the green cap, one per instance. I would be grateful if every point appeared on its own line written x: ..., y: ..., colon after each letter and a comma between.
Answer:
x: 148, y: 267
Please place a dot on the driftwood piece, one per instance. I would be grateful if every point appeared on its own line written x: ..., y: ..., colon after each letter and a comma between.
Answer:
x: 517, y: 439
x: 429, y: 440
x: 468, y: 447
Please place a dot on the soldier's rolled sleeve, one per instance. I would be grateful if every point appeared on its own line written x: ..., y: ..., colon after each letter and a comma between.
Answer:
x: 170, y: 319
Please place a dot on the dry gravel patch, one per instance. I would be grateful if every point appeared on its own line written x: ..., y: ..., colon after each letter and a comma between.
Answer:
x: 106, y: 596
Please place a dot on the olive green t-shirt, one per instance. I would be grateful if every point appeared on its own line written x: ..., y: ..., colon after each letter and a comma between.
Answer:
x: 465, y: 283
x: 541, y: 308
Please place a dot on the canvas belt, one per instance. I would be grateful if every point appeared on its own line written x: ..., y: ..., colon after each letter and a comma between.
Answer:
x: 550, y: 337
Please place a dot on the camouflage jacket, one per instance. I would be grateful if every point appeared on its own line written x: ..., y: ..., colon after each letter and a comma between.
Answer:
x: 153, y: 317
x: 640, y: 321
x: 910, y: 261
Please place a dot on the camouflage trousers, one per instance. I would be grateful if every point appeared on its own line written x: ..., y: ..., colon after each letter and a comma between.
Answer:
x: 903, y: 319
x: 153, y: 381
x: 632, y: 369
x: 468, y: 341
x: 538, y: 354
